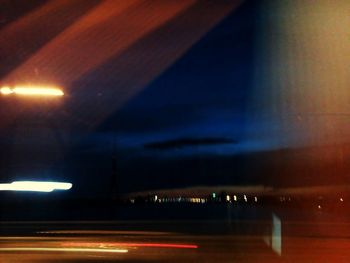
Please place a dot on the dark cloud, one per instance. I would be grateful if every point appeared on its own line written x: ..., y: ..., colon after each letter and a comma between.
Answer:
x: 187, y: 142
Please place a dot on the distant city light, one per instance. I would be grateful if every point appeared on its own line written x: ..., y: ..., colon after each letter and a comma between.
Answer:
x: 255, y: 199
x: 235, y: 198
x: 341, y: 199
x: 32, y: 91
x: 214, y: 195
x: 245, y: 198
x: 195, y: 200
x: 228, y: 198
x: 35, y: 186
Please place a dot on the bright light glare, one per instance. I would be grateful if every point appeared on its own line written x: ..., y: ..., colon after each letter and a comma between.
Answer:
x: 35, y: 186
x: 32, y: 91
x: 6, y: 90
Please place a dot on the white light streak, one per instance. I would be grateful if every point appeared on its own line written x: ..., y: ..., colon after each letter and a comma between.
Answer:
x: 35, y: 186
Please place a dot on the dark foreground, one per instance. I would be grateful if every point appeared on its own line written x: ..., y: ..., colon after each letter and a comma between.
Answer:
x: 175, y: 241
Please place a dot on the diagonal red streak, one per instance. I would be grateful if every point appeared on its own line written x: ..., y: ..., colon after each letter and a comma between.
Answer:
x: 102, y: 33
x: 108, y: 87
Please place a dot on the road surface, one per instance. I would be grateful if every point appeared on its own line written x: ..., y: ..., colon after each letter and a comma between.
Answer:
x: 184, y: 241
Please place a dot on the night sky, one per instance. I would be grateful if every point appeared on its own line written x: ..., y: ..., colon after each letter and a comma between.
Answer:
x: 183, y: 93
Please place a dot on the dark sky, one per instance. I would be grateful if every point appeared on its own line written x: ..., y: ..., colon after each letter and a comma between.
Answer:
x: 195, y: 107
x: 174, y: 94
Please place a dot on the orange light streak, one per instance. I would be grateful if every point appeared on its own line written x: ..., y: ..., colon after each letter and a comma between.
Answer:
x: 32, y: 91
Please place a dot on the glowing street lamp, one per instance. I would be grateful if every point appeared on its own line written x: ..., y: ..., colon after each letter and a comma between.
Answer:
x: 44, y: 91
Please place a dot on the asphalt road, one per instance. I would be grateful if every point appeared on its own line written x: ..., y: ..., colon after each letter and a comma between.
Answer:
x: 169, y: 242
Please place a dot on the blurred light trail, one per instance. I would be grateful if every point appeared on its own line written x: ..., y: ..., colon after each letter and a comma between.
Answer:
x: 116, y: 244
x: 32, y: 91
x: 35, y: 186
x: 52, y: 249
